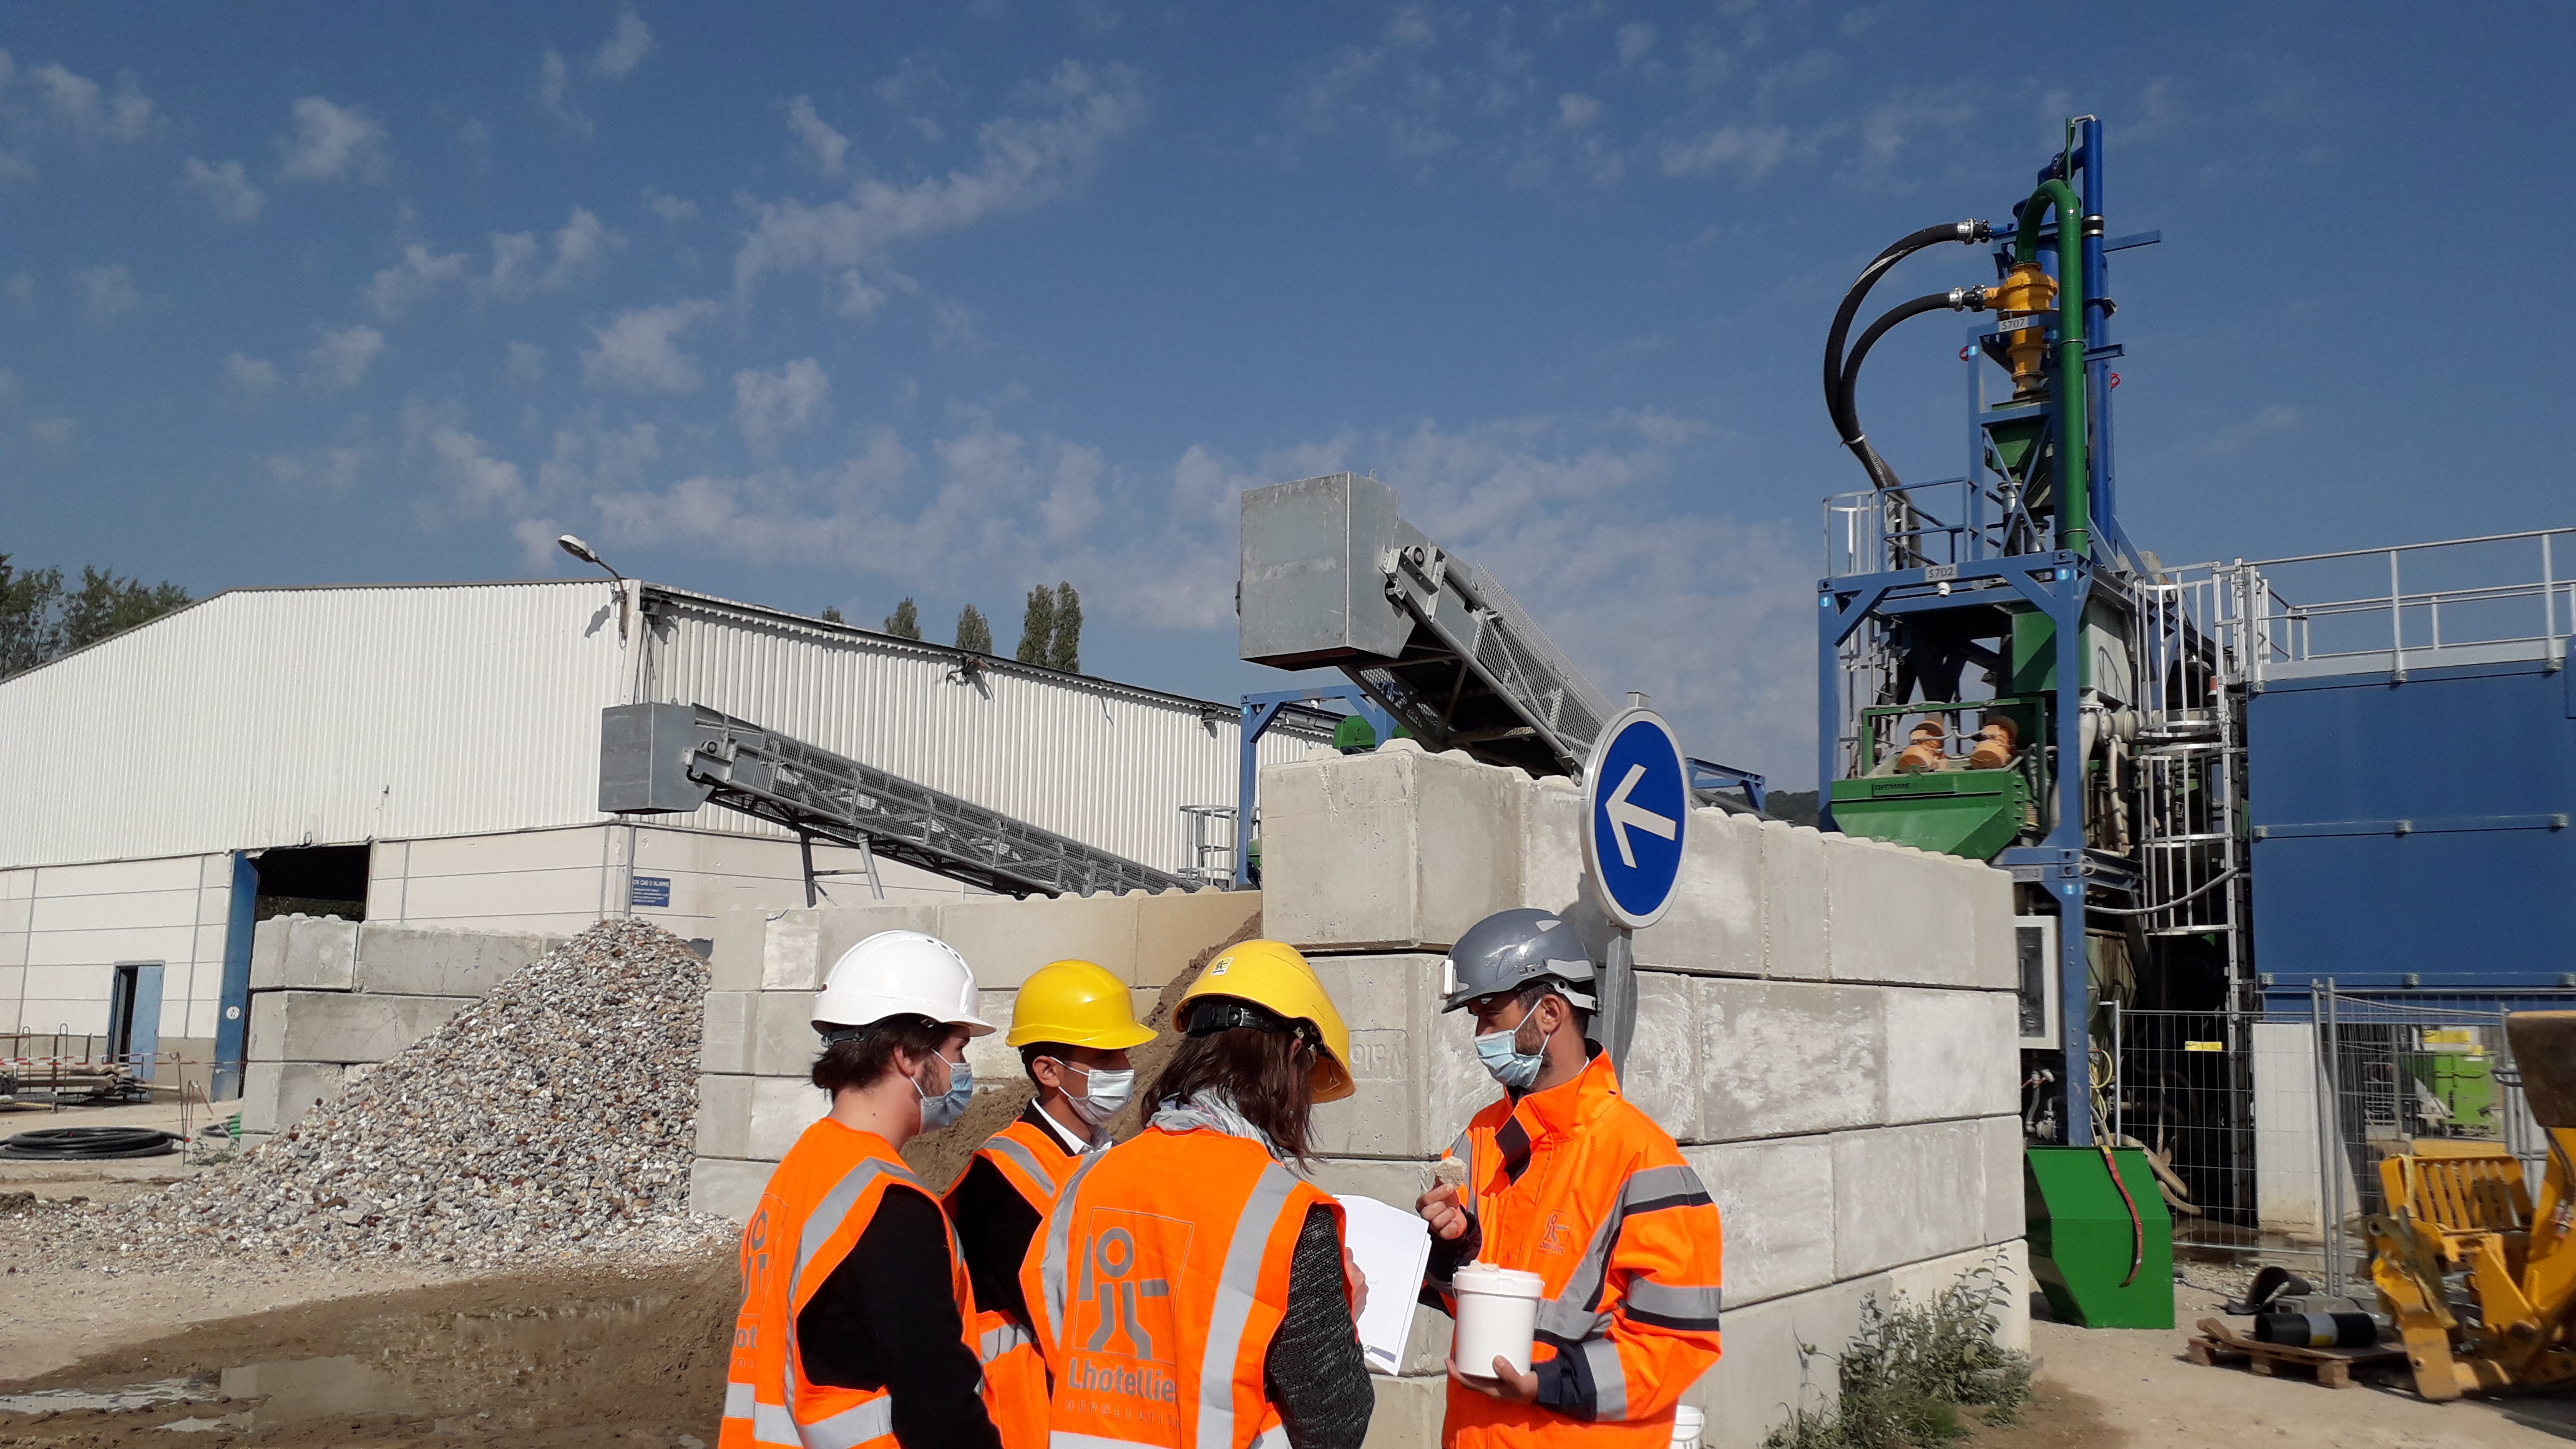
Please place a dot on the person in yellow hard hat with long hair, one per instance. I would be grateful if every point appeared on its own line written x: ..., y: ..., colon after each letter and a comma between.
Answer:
x: 1074, y: 1025
x: 1188, y: 1289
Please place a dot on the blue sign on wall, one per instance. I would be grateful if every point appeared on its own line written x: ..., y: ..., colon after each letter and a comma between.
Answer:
x: 1636, y: 797
x: 649, y: 890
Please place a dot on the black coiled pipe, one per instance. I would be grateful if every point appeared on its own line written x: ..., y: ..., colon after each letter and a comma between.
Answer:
x: 88, y: 1144
x: 1838, y: 406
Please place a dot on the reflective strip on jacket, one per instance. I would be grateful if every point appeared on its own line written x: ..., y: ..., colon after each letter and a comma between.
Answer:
x: 1036, y: 1165
x: 817, y: 1204
x: 1156, y: 1286
x: 1578, y: 1186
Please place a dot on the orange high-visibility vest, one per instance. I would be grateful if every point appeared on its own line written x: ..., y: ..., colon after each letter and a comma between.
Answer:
x: 1035, y: 1164
x: 1156, y: 1286
x: 818, y: 1202
x: 1578, y: 1186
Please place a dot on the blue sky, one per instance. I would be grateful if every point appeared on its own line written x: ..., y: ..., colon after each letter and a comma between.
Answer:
x: 831, y: 305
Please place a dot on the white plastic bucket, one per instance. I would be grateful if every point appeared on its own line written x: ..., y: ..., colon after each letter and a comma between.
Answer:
x: 1687, y: 1424
x: 1497, y: 1313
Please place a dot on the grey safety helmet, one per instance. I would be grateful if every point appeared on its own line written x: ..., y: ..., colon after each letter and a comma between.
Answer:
x: 1509, y: 950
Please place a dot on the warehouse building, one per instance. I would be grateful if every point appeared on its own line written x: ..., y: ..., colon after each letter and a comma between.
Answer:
x: 430, y: 754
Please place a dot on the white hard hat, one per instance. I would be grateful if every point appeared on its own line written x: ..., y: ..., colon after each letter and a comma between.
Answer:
x: 899, y: 973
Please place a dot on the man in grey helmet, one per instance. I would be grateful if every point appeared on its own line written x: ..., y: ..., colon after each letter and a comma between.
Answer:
x: 1564, y: 1178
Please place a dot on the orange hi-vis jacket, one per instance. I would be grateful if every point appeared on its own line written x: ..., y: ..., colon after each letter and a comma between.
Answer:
x: 811, y: 1214
x: 1156, y: 1286
x: 1578, y: 1186
x: 1035, y: 1164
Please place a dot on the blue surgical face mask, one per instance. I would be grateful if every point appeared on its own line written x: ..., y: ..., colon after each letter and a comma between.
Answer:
x: 948, y: 1106
x: 1501, y: 1055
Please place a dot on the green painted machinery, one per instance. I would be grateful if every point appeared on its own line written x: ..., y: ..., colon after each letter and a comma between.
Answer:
x: 2104, y: 1260
x: 1969, y: 813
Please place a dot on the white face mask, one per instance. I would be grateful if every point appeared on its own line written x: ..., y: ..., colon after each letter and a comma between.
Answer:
x: 948, y: 1106
x: 1104, y: 1093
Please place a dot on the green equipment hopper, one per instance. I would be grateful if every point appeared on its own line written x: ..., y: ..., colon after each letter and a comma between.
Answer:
x: 1969, y: 813
x: 2082, y: 1238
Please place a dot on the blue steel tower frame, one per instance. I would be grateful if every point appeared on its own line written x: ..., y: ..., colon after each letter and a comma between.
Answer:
x: 1988, y: 565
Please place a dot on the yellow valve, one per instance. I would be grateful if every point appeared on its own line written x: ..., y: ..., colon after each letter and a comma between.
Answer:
x: 2026, y: 288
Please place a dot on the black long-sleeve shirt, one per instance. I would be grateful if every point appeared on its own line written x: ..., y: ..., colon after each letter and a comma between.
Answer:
x: 888, y: 1317
x: 1316, y: 1372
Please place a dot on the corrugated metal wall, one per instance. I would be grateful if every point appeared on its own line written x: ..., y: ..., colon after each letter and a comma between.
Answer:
x: 266, y: 717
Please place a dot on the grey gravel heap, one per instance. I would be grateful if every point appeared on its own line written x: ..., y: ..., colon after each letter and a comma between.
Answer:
x: 554, y: 1118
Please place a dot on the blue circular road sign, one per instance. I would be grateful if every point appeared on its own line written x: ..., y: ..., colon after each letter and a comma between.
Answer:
x: 1636, y: 797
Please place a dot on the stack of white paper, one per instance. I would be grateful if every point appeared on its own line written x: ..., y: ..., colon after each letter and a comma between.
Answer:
x: 1393, y: 1248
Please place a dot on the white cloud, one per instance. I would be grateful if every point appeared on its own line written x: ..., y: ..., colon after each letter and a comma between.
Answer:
x: 670, y: 208
x: 334, y: 143
x: 1751, y: 149
x: 86, y: 109
x: 476, y: 483
x: 1026, y: 161
x: 419, y: 273
x: 22, y: 287
x: 2271, y: 420
x: 107, y: 292
x: 624, y: 49
x: 825, y: 145
x: 252, y: 375
x: 770, y: 405
x: 1635, y: 39
x: 1574, y: 109
x: 578, y: 247
x: 553, y: 79
x: 539, y: 553
x: 8, y: 383
x: 527, y: 362
x: 224, y: 187
x: 342, y: 357
x: 636, y: 352
x: 334, y: 469
x: 53, y: 432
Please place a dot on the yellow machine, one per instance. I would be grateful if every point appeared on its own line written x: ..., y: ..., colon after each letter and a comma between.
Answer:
x: 2461, y: 1210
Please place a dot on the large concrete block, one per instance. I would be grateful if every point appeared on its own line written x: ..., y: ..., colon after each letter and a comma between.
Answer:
x: 343, y: 1026
x: 1415, y: 1068
x: 1773, y: 1199
x: 1552, y: 874
x: 724, y: 1116
x: 1715, y: 921
x: 1950, y: 1054
x: 276, y: 1095
x: 2000, y: 1146
x: 2006, y: 1266
x: 724, y: 1044
x: 740, y: 934
x: 1899, y: 915
x: 791, y: 956
x: 1784, y: 1057
x: 424, y: 961
x: 727, y: 1189
x: 1903, y: 1194
x: 1990, y: 904
x: 838, y: 928
x: 783, y: 1043
x: 311, y: 953
x: 994, y: 1059
x: 1408, y: 1412
x: 1662, y: 1076
x: 1388, y: 850
x: 781, y: 1109
x: 1393, y: 1182
x: 1793, y: 903
x: 1174, y: 927
x: 1006, y: 940
x: 1766, y: 1372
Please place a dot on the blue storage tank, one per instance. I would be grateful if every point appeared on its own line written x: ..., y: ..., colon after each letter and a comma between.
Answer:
x: 2416, y: 828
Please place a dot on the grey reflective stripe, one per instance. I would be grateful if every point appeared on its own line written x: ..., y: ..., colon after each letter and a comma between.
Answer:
x: 1058, y: 1229
x: 828, y: 1214
x: 1609, y: 1381
x: 851, y: 1427
x: 1017, y: 1151
x: 1062, y: 1440
x: 738, y: 1400
x: 1274, y: 1437
x: 1574, y: 1313
x: 772, y: 1424
x: 1001, y: 1339
x: 1687, y: 1306
x: 1238, y: 1286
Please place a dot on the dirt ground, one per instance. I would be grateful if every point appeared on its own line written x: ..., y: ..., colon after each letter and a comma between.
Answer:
x: 2132, y: 1388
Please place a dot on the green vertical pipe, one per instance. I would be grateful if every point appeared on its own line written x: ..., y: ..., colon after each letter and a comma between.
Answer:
x: 2075, y: 508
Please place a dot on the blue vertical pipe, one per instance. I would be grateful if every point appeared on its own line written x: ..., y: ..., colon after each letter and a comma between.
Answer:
x: 2097, y: 290
x: 1828, y: 706
x: 232, y: 1011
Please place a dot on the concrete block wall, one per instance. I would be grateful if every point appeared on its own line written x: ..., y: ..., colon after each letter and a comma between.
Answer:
x: 330, y: 998
x: 753, y: 1096
x: 1825, y: 1024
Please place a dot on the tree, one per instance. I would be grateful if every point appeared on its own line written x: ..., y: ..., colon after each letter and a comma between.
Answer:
x: 904, y: 622
x: 832, y: 614
x: 973, y: 634
x: 1065, y: 652
x: 109, y: 605
x: 30, y: 632
x: 1037, y: 627
x: 39, y: 621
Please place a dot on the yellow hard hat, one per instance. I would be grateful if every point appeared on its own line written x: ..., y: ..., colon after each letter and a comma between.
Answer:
x: 1078, y: 1004
x: 1275, y: 978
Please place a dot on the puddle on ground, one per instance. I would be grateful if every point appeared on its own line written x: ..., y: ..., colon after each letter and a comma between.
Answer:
x: 132, y: 1396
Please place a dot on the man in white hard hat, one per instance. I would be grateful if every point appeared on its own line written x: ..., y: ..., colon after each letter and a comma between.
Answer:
x: 857, y: 1322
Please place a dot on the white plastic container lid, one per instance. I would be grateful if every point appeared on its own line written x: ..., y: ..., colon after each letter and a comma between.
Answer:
x: 1687, y: 1422
x: 1496, y: 1281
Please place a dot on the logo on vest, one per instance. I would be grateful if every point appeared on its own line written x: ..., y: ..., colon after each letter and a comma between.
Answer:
x: 1123, y: 1320
x: 1552, y: 1238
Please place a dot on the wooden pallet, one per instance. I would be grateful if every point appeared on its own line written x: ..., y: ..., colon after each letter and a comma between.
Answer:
x: 2220, y: 1344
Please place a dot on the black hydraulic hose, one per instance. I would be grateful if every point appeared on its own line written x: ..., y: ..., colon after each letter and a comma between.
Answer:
x: 88, y: 1144
x: 1846, y: 427
x: 1847, y: 408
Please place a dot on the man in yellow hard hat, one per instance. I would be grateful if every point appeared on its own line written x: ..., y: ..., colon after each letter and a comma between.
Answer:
x: 1074, y: 1025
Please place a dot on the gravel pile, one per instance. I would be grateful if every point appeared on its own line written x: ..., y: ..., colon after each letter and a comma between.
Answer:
x: 553, y: 1119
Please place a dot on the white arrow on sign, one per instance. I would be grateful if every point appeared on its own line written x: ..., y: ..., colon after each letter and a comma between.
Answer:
x: 1623, y: 815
